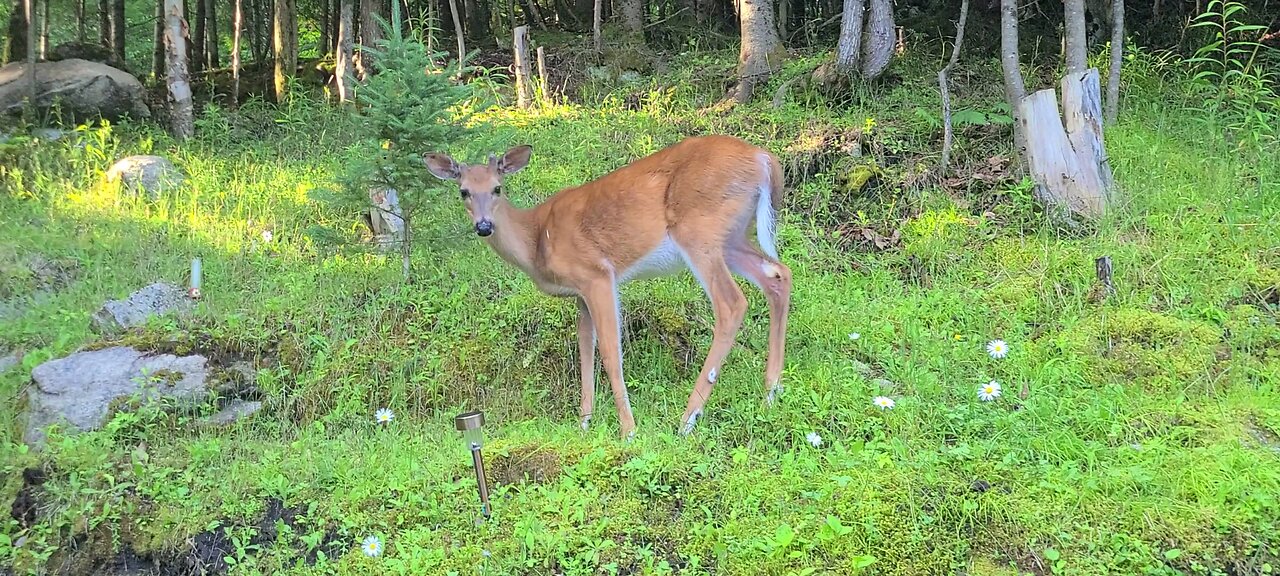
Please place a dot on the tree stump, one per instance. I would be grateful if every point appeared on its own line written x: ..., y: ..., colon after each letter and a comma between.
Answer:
x: 1068, y: 161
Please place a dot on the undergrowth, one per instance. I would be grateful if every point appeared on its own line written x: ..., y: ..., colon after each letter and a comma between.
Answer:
x: 1137, y: 433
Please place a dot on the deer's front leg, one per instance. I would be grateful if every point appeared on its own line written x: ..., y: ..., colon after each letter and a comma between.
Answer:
x: 602, y: 303
x: 587, y: 356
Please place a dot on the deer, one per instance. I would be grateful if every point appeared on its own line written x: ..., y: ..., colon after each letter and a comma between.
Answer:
x: 688, y: 206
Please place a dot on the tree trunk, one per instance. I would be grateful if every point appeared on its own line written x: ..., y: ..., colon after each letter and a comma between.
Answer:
x: 946, y: 94
x: 326, y: 26
x: 477, y: 19
x: 1117, y: 57
x: 179, y: 85
x: 104, y: 22
x: 596, y: 19
x: 850, y: 44
x: 237, y: 27
x: 197, y: 40
x: 878, y: 39
x: 1074, y: 37
x: 29, y: 14
x: 633, y: 20
x: 44, y: 28
x: 345, y: 70
x: 118, y: 29
x: 211, y: 46
x: 524, y: 92
x: 157, y: 51
x: 284, y: 40
x: 81, y: 33
x: 532, y: 15
x: 457, y: 29
x: 370, y: 34
x: 15, y: 42
x: 1014, y: 89
x: 761, y: 53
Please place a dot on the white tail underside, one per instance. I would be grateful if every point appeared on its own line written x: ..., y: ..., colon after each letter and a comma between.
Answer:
x: 764, y: 213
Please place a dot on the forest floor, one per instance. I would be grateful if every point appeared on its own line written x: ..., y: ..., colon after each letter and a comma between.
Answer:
x: 1137, y: 433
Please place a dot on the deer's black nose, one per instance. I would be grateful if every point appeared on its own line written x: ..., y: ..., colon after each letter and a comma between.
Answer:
x: 484, y: 227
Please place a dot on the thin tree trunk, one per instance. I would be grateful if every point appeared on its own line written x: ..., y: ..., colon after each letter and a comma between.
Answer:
x: 118, y: 30
x: 44, y: 28
x: 1075, y: 39
x: 325, y: 27
x: 157, y: 51
x: 179, y: 84
x: 597, y: 17
x: 1117, y: 58
x: 946, y: 93
x: 370, y: 34
x: 211, y: 41
x: 197, y: 40
x: 761, y: 52
x: 457, y: 29
x: 532, y: 15
x: 29, y: 14
x: 850, y: 44
x: 1014, y: 88
x: 284, y: 46
x: 81, y: 33
x: 345, y: 71
x: 237, y: 25
x: 104, y: 23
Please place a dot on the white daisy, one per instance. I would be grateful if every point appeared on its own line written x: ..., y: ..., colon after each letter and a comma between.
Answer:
x: 266, y: 236
x: 883, y: 402
x: 814, y: 439
x: 372, y: 546
x: 989, y: 391
x: 854, y: 335
x: 384, y: 415
x: 997, y: 349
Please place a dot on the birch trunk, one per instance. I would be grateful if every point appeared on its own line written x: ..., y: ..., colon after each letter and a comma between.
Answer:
x: 179, y: 84
x: 237, y: 27
x: 345, y: 71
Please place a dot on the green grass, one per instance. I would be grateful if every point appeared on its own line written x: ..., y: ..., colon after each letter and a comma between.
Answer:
x: 1140, y: 435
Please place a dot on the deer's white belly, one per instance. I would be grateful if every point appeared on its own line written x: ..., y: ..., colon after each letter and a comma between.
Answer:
x: 665, y: 259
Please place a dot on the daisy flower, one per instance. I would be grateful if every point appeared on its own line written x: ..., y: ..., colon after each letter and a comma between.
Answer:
x: 266, y: 236
x: 854, y: 335
x: 883, y: 402
x: 997, y: 349
x: 989, y: 391
x: 814, y: 439
x: 372, y: 546
x: 384, y: 415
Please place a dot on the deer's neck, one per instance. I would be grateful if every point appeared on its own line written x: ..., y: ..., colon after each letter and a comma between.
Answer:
x: 514, y: 235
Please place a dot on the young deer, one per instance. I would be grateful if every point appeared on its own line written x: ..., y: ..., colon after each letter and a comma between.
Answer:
x: 687, y: 206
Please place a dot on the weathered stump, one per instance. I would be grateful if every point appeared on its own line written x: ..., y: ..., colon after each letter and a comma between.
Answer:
x: 1068, y: 162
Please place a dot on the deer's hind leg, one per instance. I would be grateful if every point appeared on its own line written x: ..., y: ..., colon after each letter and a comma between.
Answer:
x: 774, y: 279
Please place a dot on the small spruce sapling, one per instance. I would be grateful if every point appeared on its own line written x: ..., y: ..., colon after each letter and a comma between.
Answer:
x: 407, y: 107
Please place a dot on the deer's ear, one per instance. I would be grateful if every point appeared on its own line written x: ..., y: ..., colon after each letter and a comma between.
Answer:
x: 515, y: 159
x: 442, y: 166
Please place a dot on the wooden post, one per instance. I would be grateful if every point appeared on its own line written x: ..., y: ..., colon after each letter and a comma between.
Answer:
x: 543, y: 85
x: 521, y: 46
x: 1103, y: 268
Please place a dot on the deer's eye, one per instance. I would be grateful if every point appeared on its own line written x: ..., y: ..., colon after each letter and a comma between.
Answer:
x: 466, y: 193
x: 497, y: 191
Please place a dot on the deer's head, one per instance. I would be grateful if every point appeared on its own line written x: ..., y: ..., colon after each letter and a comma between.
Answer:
x: 479, y: 184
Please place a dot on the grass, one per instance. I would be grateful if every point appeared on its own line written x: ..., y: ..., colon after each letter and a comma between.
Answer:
x: 1136, y: 435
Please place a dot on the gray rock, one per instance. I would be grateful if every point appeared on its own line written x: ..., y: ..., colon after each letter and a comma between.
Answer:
x: 9, y: 359
x: 77, y: 391
x: 155, y: 300
x: 231, y: 413
x: 862, y: 368
x: 83, y: 90
x: 884, y: 385
x: 151, y: 175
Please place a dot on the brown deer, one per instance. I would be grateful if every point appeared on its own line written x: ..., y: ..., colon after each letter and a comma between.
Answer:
x: 687, y: 206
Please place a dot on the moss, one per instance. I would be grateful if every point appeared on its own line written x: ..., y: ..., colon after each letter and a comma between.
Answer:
x: 1130, y: 344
